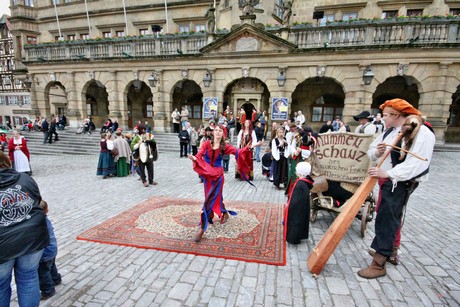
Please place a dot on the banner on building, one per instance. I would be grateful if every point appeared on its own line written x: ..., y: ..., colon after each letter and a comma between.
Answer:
x: 280, y: 108
x: 343, y: 156
x: 209, y: 104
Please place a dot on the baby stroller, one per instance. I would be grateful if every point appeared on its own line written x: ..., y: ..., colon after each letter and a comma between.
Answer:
x: 331, y: 196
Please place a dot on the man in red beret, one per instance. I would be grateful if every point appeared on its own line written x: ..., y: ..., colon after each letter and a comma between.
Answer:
x: 398, y: 176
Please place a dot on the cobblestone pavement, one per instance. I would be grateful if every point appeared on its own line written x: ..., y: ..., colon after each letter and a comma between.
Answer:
x: 109, y: 275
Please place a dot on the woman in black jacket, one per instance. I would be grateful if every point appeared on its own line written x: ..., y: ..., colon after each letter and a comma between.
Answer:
x: 23, y: 234
x: 184, y: 139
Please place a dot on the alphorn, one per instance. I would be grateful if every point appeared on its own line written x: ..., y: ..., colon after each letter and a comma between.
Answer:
x: 321, y: 253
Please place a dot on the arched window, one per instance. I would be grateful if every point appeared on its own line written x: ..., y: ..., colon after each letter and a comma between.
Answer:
x: 327, y: 107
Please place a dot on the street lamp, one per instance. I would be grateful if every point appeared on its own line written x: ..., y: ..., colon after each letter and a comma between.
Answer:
x: 207, y: 79
x: 368, y: 75
x: 281, y: 77
x: 153, y: 80
x: 27, y: 83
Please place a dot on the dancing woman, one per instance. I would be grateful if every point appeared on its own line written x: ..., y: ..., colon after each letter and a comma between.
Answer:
x: 246, y: 136
x: 208, y: 164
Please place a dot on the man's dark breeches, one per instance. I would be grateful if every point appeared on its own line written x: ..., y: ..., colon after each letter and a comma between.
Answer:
x: 389, y: 216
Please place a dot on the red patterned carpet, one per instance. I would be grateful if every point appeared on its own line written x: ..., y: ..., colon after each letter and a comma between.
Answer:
x: 254, y: 235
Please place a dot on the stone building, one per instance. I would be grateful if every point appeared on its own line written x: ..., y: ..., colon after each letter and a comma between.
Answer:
x: 14, y: 97
x: 325, y: 58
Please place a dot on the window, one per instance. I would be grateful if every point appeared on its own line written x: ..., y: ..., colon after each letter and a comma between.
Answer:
x: 84, y: 36
x: 199, y: 28
x: 184, y: 28
x: 143, y: 32
x: 326, y: 108
x: 29, y: 3
x: 55, y: 1
x: 2, y: 99
x: 454, y: 12
x: 106, y: 34
x: 12, y: 100
x: 196, y: 111
x: 31, y: 40
x: 26, y: 99
x: 149, y: 110
x: 279, y: 10
x: 71, y: 37
x: 120, y: 33
x: 349, y: 16
x: 389, y: 14
x: 414, y: 13
x: 326, y: 18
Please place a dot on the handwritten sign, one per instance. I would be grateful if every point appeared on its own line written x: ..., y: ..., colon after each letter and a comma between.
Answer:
x: 343, y: 156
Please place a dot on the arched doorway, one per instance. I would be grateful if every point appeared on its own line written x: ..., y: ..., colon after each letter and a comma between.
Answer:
x: 140, y: 103
x: 319, y: 99
x: 55, y: 99
x: 187, y: 93
x: 248, y: 94
x: 404, y: 87
x: 96, y: 101
x: 453, y: 129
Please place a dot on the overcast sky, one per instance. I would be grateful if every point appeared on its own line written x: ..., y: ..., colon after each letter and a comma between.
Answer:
x: 4, y: 7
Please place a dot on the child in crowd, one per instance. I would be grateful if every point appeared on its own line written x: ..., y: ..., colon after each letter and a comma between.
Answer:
x: 47, y: 271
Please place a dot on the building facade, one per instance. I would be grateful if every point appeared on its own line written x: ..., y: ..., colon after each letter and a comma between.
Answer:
x: 15, y: 104
x: 142, y: 60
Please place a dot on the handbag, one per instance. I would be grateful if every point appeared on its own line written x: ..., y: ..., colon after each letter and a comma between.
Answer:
x: 320, y: 184
x: 114, y: 152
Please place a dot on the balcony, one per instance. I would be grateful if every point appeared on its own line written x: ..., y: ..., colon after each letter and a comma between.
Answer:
x: 427, y: 33
x: 19, y: 12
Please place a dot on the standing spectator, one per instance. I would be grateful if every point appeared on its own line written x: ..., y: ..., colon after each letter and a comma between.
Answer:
x: 254, y: 117
x: 52, y: 131
x: 231, y: 125
x: 184, y: 139
x: 336, y: 123
x: 194, y: 140
x: 19, y: 153
x: 300, y: 118
x: 365, y: 123
x: 263, y: 119
x: 145, y: 146
x: 184, y: 116
x: 24, y: 238
x: 45, y: 130
x: 379, y: 124
x: 47, y: 271
x: 148, y: 127
x: 327, y: 127
x: 3, y: 141
x: 260, y: 138
x: 189, y: 131
x: 123, y: 158
x: 175, y: 117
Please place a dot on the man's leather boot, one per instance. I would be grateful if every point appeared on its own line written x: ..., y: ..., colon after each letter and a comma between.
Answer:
x: 376, y: 269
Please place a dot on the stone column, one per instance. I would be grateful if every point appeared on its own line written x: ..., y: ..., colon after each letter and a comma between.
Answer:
x: 161, y: 106
x: 73, y: 115
x: 33, y: 97
x: 115, y: 105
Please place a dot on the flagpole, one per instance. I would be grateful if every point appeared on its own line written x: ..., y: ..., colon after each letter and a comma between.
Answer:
x: 87, y: 17
x: 215, y: 17
x: 57, y: 19
x: 126, y: 20
x: 166, y: 13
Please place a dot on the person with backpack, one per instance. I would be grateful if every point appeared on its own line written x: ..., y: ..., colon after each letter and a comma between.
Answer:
x: 175, y: 117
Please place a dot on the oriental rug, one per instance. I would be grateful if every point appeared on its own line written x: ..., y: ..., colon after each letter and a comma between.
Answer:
x: 166, y: 224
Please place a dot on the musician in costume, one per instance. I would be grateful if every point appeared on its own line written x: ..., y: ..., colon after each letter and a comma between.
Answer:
x: 144, y: 147
x: 208, y: 164
x: 365, y: 123
x: 106, y: 164
x: 398, y: 175
x: 297, y: 210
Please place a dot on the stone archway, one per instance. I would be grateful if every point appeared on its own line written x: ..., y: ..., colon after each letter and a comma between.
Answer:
x: 404, y: 87
x: 319, y: 99
x: 452, y: 134
x: 96, y: 101
x: 188, y: 93
x: 248, y: 94
x: 140, y: 103
x: 55, y: 99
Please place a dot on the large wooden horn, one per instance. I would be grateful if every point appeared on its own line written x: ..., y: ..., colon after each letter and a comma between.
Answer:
x: 321, y: 253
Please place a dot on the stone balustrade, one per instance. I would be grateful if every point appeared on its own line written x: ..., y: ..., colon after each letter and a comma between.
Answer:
x: 421, y: 32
